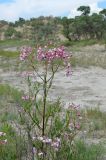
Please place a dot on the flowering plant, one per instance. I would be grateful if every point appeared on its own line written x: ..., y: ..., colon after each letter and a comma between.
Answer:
x: 48, y: 125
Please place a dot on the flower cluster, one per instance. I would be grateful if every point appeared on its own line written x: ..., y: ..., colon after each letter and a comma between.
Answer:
x: 55, y: 143
x: 75, y: 117
x: 52, y: 54
x: 49, y: 55
x: 26, y: 98
x: 25, y: 52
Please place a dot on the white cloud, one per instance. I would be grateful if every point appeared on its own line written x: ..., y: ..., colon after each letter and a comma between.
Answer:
x: 33, y: 8
x: 93, y: 5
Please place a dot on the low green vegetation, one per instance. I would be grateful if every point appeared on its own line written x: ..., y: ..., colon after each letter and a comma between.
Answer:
x: 9, y: 54
x: 86, y: 60
x: 97, y: 120
x: 15, y: 148
x: 16, y: 145
x: 13, y: 43
x: 83, y: 151
x: 82, y: 43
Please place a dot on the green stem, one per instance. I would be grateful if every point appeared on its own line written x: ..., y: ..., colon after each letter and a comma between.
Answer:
x: 44, y: 101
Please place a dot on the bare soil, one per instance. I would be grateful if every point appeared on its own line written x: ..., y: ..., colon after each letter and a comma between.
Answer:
x: 86, y: 86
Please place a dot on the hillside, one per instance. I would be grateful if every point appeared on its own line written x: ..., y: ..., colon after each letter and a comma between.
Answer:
x: 84, y: 27
x: 33, y: 29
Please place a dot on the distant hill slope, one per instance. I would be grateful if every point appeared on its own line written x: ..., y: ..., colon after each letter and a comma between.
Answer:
x: 84, y: 27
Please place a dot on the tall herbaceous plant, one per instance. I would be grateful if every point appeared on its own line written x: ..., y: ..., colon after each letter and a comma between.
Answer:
x: 50, y: 127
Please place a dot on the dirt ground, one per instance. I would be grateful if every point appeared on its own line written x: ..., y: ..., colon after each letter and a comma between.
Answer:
x: 86, y: 86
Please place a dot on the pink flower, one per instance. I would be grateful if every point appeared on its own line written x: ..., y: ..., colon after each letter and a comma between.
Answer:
x: 52, y: 54
x: 34, y: 150
x: 59, y: 53
x: 25, y: 52
x: 77, y: 126
x: 25, y: 97
x: 47, y: 140
x: 56, y: 143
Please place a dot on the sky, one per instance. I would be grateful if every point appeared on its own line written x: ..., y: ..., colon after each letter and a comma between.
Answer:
x: 11, y: 10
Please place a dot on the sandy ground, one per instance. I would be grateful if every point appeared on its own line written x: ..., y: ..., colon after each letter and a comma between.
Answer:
x: 86, y: 86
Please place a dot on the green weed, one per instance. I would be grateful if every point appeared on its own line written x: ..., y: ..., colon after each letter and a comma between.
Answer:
x: 9, y: 54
